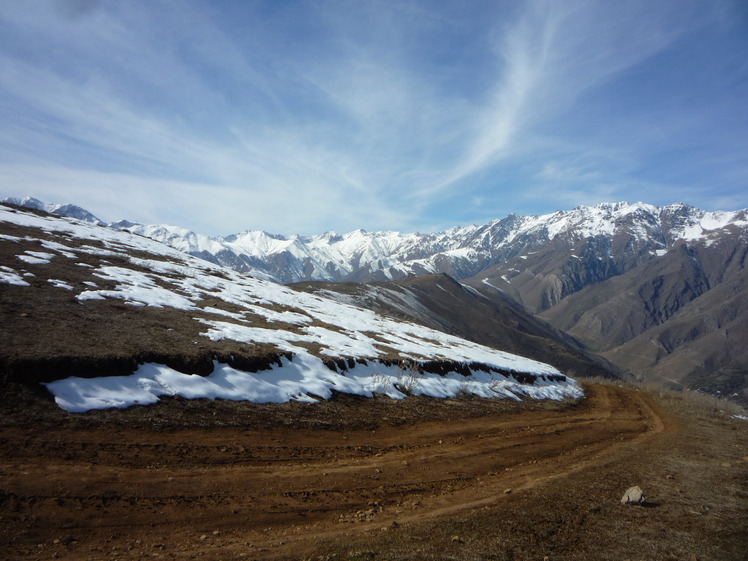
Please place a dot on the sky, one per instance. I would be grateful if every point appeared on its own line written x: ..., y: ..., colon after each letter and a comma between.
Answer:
x: 305, y: 116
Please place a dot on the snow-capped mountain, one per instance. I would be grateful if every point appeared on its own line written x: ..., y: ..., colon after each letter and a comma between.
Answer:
x: 620, y: 235
x: 66, y: 209
x: 107, y: 318
x: 660, y: 291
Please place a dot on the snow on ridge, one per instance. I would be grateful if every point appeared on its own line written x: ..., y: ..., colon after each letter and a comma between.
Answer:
x: 66, y: 209
x: 709, y: 222
x: 641, y: 220
x: 176, y: 280
x: 332, y: 256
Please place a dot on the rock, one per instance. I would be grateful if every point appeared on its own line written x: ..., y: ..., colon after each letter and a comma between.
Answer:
x: 507, y: 491
x: 633, y: 496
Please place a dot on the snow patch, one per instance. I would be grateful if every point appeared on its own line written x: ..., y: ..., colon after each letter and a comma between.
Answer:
x: 136, y: 286
x: 9, y: 276
x: 36, y: 257
x: 302, y: 378
x: 60, y: 284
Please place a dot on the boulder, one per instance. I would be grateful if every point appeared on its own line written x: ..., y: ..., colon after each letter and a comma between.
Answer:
x: 633, y: 496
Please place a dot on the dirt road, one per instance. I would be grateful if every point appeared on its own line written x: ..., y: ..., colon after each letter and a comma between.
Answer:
x: 225, y: 493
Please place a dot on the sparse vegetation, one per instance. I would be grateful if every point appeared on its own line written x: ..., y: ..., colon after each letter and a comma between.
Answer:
x: 682, y: 401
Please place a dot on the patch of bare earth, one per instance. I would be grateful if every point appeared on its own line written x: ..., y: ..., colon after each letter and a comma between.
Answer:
x: 371, y: 479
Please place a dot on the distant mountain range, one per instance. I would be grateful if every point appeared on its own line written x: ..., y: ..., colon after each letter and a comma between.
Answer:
x: 106, y: 318
x: 658, y: 291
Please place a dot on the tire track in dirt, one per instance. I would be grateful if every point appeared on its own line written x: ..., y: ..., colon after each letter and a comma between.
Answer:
x: 275, y: 493
x: 614, y: 407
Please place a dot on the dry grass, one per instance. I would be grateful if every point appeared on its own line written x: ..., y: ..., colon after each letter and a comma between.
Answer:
x: 682, y: 401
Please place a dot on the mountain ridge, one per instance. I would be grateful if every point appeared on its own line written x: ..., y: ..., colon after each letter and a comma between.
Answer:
x: 460, y: 251
x: 105, y: 318
x: 627, y: 280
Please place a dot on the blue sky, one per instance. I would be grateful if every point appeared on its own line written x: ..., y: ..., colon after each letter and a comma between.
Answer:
x: 308, y: 116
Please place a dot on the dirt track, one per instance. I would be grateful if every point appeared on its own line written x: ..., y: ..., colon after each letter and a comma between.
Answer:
x: 225, y: 493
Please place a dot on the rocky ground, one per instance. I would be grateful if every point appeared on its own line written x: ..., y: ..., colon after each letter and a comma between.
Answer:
x: 374, y: 479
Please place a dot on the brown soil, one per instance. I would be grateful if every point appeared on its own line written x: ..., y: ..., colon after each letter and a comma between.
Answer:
x: 403, y: 484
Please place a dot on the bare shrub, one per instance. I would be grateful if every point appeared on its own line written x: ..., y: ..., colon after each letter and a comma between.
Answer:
x: 408, y: 377
x: 683, y: 400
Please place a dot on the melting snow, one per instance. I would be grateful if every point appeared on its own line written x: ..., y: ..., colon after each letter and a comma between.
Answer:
x: 60, y: 284
x: 136, y: 286
x: 337, y: 329
x: 303, y: 378
x: 9, y: 276
x: 36, y: 257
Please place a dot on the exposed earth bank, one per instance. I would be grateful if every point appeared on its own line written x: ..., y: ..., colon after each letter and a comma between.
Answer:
x: 373, y: 479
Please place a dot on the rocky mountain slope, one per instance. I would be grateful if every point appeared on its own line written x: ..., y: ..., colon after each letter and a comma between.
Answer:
x: 607, y: 240
x: 674, y: 315
x: 659, y: 291
x: 491, y: 318
x: 110, y: 319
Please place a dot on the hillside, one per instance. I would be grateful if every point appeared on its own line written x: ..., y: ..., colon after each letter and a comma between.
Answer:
x: 618, y: 277
x: 88, y: 301
x: 272, y: 432
x: 488, y: 318
x: 677, y: 319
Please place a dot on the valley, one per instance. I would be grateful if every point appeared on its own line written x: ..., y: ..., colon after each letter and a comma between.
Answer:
x: 329, y: 280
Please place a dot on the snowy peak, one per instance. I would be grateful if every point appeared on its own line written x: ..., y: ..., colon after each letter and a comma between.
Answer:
x: 69, y: 210
x: 639, y: 229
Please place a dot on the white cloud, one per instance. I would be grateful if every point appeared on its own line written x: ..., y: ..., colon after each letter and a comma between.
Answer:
x: 209, y: 208
x: 552, y: 55
x: 311, y: 116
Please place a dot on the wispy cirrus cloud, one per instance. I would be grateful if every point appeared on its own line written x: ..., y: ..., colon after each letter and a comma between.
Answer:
x: 548, y: 59
x: 308, y: 116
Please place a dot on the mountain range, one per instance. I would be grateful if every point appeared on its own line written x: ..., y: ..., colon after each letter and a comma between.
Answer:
x: 105, y: 318
x: 659, y: 292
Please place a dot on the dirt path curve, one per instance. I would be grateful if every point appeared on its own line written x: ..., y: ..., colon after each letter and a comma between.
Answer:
x: 227, y: 493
